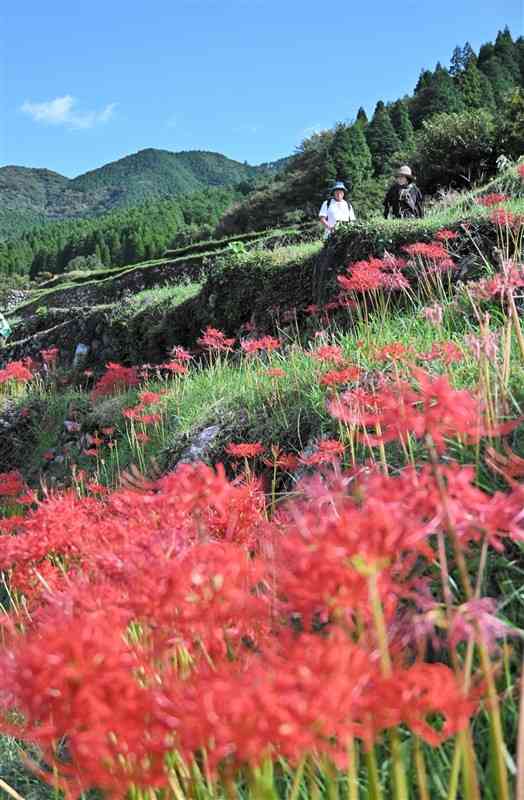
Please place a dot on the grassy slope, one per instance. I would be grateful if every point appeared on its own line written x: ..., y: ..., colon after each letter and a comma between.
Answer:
x: 252, y: 406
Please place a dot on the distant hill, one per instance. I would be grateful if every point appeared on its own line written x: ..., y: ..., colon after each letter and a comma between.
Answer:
x: 29, y: 196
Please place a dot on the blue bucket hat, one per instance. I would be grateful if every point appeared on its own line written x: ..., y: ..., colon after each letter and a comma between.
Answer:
x: 339, y: 185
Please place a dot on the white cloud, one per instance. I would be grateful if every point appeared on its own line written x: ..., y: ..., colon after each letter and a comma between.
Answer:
x: 63, y: 111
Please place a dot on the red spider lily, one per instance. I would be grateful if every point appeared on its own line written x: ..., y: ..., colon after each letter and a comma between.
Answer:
x: 245, y: 449
x: 337, y: 377
x: 175, y: 368
x: 274, y: 372
x: 213, y: 339
x: 265, y: 344
x: 50, y: 356
x: 504, y: 218
x: 446, y: 235
x: 363, y: 276
x: 434, y: 251
x: 142, y: 437
x: 396, y: 351
x: 487, y: 344
x: 511, y: 277
x: 15, y: 371
x: 108, y: 431
x: 150, y: 398
x: 478, y: 614
x: 332, y: 353
x: 395, y: 281
x: 12, y: 484
x: 178, y: 353
x: 391, y: 262
x: 447, y: 352
x: 520, y: 170
x: 115, y: 379
x: 434, y: 314
x: 493, y: 199
x: 328, y: 451
x: 95, y: 440
x: 90, y: 452
x: 510, y: 465
x: 150, y: 419
x: 433, y: 409
x: 281, y: 460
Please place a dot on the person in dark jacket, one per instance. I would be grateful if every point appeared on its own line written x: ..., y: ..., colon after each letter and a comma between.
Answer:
x: 404, y: 199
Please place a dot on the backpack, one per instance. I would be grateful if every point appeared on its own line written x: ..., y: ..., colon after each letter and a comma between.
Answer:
x: 408, y: 201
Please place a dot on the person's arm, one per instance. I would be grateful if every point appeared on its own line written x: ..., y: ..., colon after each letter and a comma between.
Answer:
x: 322, y: 215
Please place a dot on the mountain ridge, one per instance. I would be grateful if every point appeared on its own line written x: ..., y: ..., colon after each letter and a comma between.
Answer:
x: 149, y: 173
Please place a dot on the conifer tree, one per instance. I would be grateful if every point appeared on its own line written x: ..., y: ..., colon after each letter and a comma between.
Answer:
x: 359, y: 164
x: 507, y: 53
x: 440, y: 96
x: 400, y: 118
x: 362, y: 116
x: 500, y: 79
x: 381, y: 138
x: 472, y: 87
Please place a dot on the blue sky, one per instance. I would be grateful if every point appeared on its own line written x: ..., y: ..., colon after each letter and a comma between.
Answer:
x: 85, y: 83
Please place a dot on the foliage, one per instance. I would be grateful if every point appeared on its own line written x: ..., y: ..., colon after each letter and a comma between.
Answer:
x: 455, y: 149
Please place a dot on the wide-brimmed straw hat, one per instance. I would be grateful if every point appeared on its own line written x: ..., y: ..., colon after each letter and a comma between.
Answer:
x: 404, y: 172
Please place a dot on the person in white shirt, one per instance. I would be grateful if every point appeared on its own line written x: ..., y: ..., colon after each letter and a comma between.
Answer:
x: 336, y: 209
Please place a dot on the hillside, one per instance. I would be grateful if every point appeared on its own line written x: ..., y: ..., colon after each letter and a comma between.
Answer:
x: 148, y: 174
x: 452, y: 130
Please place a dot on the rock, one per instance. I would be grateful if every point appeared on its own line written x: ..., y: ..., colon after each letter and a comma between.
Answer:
x: 200, y: 445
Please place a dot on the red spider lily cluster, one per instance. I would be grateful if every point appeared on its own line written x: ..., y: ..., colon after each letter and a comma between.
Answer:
x: 493, y: 199
x: 214, y: 340
x: 15, y: 372
x: 161, y: 621
x: 115, y: 379
x: 506, y: 219
x: 245, y: 449
x: 429, y: 408
x: 147, y: 399
x: 266, y: 344
x: 375, y: 273
x: 179, y: 359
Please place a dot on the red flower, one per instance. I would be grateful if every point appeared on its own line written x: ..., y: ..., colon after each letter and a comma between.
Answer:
x: 15, y: 371
x: 434, y: 251
x: 265, y: 344
x: 178, y: 353
x: 520, y: 170
x: 446, y: 235
x: 274, y: 372
x: 116, y: 378
x: 213, y: 339
x: 337, y: 377
x: 245, y: 449
x: 504, y: 218
x: 328, y: 352
x: 493, y: 199
x: 328, y: 450
x: 175, y: 368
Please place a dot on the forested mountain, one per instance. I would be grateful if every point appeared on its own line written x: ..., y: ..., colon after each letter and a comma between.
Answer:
x: 123, y: 236
x: 458, y: 121
x: 39, y: 194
